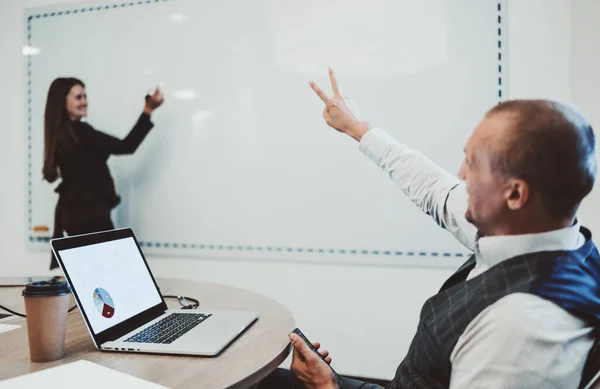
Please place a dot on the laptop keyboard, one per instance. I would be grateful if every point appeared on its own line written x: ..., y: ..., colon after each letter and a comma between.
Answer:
x: 169, y: 329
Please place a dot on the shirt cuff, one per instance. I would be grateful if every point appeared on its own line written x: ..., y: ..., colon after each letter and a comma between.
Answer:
x: 374, y: 143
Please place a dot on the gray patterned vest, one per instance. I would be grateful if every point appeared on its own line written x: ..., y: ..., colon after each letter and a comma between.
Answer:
x: 570, y: 279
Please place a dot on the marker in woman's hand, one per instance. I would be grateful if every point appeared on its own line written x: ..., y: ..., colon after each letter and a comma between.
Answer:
x: 152, y: 91
x: 154, y: 99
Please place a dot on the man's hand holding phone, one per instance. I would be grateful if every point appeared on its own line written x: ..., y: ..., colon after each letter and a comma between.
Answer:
x: 310, y: 365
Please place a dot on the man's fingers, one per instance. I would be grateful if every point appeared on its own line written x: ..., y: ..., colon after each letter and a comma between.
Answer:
x: 327, y: 117
x: 335, y: 85
x: 298, y: 355
x: 299, y: 345
x: 324, y: 353
x: 320, y: 92
x: 328, y: 360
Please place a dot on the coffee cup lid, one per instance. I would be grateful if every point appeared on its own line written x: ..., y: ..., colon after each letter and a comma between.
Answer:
x: 54, y: 287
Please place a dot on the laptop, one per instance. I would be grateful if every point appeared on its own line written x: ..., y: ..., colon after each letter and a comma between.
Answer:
x: 123, y: 308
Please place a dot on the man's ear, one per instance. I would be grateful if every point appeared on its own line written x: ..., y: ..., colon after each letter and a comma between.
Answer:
x: 516, y: 194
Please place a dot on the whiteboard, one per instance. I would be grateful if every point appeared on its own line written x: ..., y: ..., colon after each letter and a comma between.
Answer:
x: 240, y: 162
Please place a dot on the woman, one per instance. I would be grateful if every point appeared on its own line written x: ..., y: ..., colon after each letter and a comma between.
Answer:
x: 78, y: 154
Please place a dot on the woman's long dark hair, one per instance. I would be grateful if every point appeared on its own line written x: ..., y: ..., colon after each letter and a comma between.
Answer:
x: 56, y: 121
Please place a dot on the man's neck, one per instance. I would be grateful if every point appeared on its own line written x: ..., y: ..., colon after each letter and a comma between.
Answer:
x: 531, y: 225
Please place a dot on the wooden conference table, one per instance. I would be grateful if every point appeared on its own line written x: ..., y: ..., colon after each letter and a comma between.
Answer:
x: 253, y: 356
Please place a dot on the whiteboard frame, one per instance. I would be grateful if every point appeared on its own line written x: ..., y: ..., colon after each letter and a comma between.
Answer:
x: 207, y: 250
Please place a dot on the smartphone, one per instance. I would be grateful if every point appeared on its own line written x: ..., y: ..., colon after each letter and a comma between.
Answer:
x: 338, y: 379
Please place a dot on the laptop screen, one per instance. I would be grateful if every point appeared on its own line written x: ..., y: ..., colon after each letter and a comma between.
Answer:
x: 111, y: 280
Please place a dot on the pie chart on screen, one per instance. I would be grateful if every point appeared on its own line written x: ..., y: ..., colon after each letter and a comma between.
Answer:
x: 104, y: 303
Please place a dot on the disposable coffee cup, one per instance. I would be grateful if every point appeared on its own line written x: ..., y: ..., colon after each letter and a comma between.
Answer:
x: 46, y: 308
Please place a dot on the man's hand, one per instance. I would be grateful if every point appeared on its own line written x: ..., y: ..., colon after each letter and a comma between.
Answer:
x: 338, y: 113
x: 309, y: 368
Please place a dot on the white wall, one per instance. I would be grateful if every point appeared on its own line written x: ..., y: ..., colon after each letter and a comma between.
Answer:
x: 366, y: 315
x: 585, y: 57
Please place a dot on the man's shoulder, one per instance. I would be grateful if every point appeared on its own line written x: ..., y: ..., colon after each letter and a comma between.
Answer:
x: 521, y: 338
x: 523, y: 315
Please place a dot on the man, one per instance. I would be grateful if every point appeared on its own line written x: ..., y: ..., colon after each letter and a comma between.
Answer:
x: 520, y: 312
